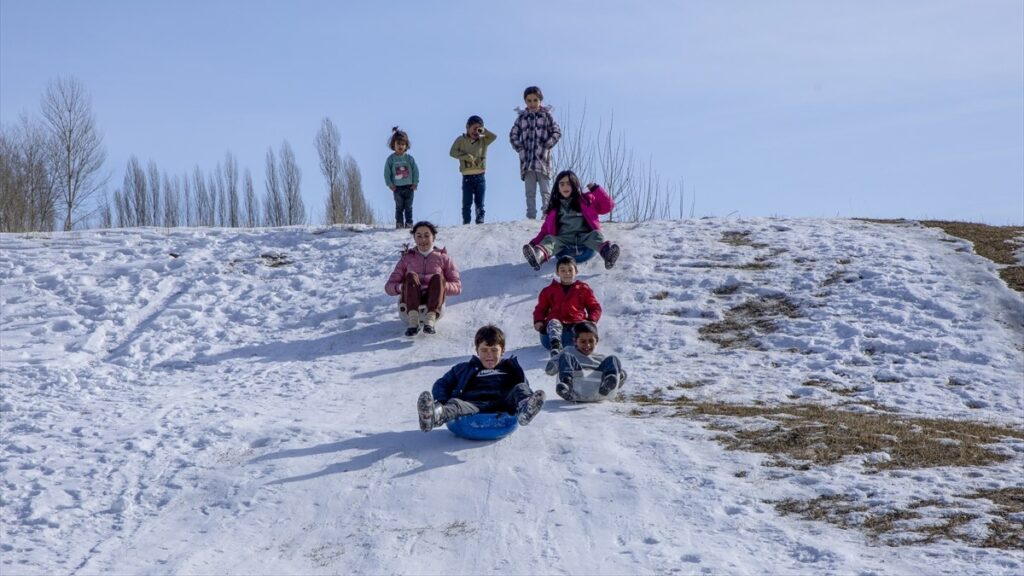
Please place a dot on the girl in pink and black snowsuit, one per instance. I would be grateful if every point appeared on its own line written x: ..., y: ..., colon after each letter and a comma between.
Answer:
x: 422, y: 279
x: 572, y: 219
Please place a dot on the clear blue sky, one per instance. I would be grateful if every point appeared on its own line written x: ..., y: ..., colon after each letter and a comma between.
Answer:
x: 816, y: 108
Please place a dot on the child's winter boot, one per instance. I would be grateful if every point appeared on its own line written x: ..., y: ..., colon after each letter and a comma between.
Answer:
x: 431, y: 414
x: 609, y: 253
x: 535, y: 255
x: 428, y: 325
x: 608, y: 383
x: 564, y: 388
x: 530, y: 407
x: 414, y: 323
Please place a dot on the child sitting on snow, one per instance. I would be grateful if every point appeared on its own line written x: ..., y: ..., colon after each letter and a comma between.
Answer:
x: 561, y: 305
x: 578, y: 365
x: 486, y: 383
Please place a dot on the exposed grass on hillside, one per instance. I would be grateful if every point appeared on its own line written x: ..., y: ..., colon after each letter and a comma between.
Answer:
x: 907, y: 525
x: 997, y: 243
x: 799, y: 435
x: 744, y: 324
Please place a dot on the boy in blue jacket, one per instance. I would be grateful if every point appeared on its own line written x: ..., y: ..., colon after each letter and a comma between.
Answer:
x: 486, y: 383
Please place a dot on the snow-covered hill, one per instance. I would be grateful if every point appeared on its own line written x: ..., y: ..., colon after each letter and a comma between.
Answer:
x: 220, y: 401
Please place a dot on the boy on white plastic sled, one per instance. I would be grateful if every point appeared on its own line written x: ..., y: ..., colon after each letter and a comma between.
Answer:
x: 583, y: 375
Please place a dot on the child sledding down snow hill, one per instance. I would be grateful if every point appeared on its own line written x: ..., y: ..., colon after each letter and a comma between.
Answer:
x: 486, y: 383
x: 583, y: 375
x: 561, y: 305
x: 422, y: 278
x: 572, y: 220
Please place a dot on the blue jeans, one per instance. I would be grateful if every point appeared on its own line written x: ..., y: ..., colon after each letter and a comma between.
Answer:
x: 473, y: 192
x: 563, y: 332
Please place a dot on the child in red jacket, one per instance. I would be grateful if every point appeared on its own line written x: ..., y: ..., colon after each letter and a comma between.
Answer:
x: 561, y: 305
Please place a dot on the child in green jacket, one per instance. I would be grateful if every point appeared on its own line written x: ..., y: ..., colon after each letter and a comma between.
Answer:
x: 470, y: 149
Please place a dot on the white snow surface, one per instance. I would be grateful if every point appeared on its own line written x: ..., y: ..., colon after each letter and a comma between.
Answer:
x: 207, y: 413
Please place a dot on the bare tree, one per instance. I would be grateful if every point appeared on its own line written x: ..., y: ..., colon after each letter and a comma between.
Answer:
x: 172, y: 198
x: 252, y: 206
x: 27, y: 194
x: 135, y: 197
x: 291, y: 185
x: 217, y: 198
x: 231, y: 185
x: 106, y: 219
x: 155, y: 212
x: 187, y: 202
x: 360, y: 212
x: 202, y: 206
x: 273, y: 202
x: 636, y: 186
x: 77, y: 152
x: 328, y: 147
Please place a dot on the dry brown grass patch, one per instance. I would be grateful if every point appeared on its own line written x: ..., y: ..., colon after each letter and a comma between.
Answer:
x: 745, y: 323
x: 801, y: 434
x: 737, y: 238
x: 908, y: 525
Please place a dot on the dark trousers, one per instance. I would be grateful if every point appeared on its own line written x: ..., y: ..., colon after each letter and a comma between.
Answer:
x: 403, y: 206
x: 415, y: 294
x: 473, y: 192
x: 457, y: 407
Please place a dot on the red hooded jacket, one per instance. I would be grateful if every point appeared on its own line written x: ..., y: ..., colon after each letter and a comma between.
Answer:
x: 571, y: 306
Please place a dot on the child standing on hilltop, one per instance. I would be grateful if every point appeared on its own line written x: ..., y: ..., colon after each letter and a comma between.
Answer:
x: 486, y: 383
x: 470, y: 149
x: 533, y: 135
x: 402, y: 176
x: 572, y: 220
x: 563, y: 304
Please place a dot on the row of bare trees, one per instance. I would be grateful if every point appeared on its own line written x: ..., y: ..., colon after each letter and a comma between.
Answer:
x: 51, y: 174
x: 604, y: 156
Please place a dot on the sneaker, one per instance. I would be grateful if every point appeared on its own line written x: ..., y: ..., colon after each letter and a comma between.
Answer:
x: 428, y: 325
x: 610, y: 255
x: 429, y: 329
x: 412, y: 330
x: 608, y: 383
x: 425, y: 411
x: 530, y: 407
x: 531, y: 256
x: 564, y: 391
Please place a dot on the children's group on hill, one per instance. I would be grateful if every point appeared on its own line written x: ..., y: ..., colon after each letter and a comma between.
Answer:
x: 567, y: 310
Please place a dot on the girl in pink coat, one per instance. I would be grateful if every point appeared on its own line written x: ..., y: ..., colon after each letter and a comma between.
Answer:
x: 422, y: 279
x: 572, y: 220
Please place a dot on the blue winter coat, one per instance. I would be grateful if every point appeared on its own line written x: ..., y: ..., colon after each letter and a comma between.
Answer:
x: 460, y: 382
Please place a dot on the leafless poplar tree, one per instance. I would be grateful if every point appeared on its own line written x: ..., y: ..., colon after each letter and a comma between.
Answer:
x: 202, y: 205
x: 328, y: 147
x: 172, y: 199
x: 252, y: 206
x: 188, y: 201
x: 360, y: 212
x: 135, y: 197
x: 273, y: 202
x: 231, y: 185
x: 155, y: 208
x: 291, y: 185
x: 77, y: 152
x: 218, y: 198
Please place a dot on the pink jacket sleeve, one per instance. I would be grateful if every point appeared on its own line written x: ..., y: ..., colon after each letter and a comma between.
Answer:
x: 601, y: 201
x: 452, y: 281
x: 393, y: 287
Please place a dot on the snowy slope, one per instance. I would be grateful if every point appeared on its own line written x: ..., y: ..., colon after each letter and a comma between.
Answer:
x: 206, y: 412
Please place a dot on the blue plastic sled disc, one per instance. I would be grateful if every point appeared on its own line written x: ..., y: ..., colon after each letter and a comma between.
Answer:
x: 579, y: 253
x: 484, y: 426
